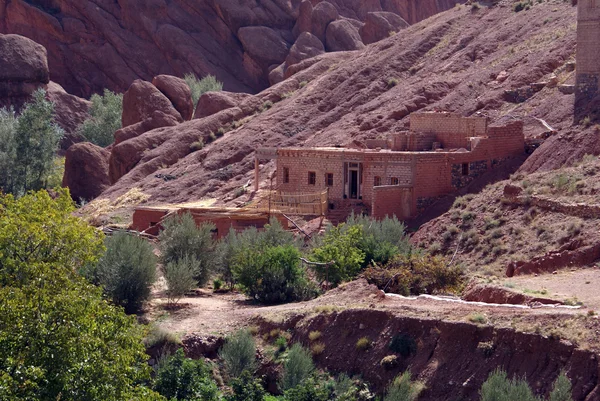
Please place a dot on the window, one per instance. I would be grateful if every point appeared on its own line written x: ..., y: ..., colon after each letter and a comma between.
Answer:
x: 394, y: 181
x: 329, y: 179
x: 465, y: 169
x: 286, y: 175
x: 312, y: 178
x: 377, y: 182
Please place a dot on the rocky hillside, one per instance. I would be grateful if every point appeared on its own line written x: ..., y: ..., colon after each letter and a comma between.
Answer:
x: 97, y: 44
x: 471, y: 59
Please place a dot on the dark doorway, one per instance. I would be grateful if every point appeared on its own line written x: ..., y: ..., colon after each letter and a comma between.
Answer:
x: 353, y: 184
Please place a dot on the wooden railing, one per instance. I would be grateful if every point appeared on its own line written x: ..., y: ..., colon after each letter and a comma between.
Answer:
x: 312, y: 204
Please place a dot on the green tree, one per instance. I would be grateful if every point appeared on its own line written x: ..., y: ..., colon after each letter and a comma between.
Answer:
x: 179, y: 276
x: 59, y: 339
x: 181, y: 237
x: 498, y: 387
x: 126, y: 271
x: 247, y: 388
x: 310, y: 389
x: 36, y: 143
x: 403, y: 389
x: 341, y: 247
x: 561, y: 389
x: 104, y: 120
x: 181, y: 378
x: 199, y: 86
x: 297, y: 368
x: 8, y: 126
x: 239, y: 353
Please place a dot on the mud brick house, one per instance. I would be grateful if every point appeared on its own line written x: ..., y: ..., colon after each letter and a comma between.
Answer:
x: 403, y: 174
x: 588, y: 55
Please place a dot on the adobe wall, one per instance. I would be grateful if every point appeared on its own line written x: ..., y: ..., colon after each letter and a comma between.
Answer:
x: 588, y: 53
x: 451, y: 130
x: 148, y: 220
x: 392, y: 200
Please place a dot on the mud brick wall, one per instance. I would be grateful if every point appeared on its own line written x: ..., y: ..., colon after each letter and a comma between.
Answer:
x: 451, y: 130
x: 588, y: 54
x: 475, y: 169
x: 392, y: 200
x: 147, y: 220
x: 432, y: 176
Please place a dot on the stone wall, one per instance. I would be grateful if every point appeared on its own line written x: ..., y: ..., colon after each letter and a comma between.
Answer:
x: 451, y: 130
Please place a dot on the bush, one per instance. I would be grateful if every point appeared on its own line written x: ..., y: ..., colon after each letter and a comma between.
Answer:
x: 272, y: 274
x: 403, y: 344
x: 402, y: 389
x: 314, y: 335
x: 126, y: 271
x: 389, y: 362
x: 317, y: 348
x: 416, y: 274
x: 498, y: 387
x: 310, y: 389
x: 181, y: 378
x: 200, y: 86
x: 104, y: 120
x: 59, y: 338
x: 297, y: 368
x: 340, y: 246
x: 561, y: 389
x: 247, y: 388
x: 181, y: 237
x: 8, y: 125
x: 363, y: 344
x: 179, y: 275
x: 239, y: 353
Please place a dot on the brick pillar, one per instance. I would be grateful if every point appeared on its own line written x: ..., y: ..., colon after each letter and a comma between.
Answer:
x: 588, y: 60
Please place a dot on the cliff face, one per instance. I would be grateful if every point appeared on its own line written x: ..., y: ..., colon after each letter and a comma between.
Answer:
x: 97, y: 44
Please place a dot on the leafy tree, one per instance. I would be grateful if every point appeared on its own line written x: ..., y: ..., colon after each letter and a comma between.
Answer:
x: 199, y: 86
x: 340, y: 246
x: 36, y: 140
x: 272, y: 274
x: 310, y: 389
x: 561, y: 389
x: 181, y: 378
x: 498, y: 387
x: 59, y: 339
x: 126, y: 271
x: 402, y: 389
x: 247, y: 388
x: 180, y: 279
x: 104, y: 120
x: 297, y: 368
x: 8, y: 125
x: 181, y: 237
x: 239, y: 353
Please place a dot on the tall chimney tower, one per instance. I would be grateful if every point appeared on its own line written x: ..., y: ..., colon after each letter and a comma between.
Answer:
x: 588, y: 60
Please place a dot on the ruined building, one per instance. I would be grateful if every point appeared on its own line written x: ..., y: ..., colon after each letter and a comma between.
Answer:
x: 588, y: 59
x: 402, y: 174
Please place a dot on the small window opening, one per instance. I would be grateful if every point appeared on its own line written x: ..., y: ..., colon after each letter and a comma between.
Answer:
x: 286, y: 175
x: 465, y: 169
x: 329, y: 179
x: 312, y: 178
x: 377, y: 182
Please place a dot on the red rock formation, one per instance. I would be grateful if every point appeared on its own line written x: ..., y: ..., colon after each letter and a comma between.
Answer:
x: 379, y: 25
x: 70, y: 112
x: 178, y: 92
x: 141, y: 100
x: 95, y: 44
x: 86, y: 171
x: 213, y: 102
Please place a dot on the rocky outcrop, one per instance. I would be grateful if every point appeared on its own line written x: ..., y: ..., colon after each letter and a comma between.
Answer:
x: 178, y: 92
x: 491, y: 294
x: 96, y: 44
x: 343, y: 35
x: 307, y: 45
x: 380, y: 25
x: 69, y: 113
x: 86, y: 171
x: 23, y: 69
x: 213, y: 102
x: 141, y: 100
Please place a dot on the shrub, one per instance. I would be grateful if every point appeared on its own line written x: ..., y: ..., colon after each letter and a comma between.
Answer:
x: 310, y: 389
x: 314, y: 335
x: 403, y: 344
x: 477, y: 318
x: 403, y: 389
x: 389, y: 362
x: 391, y: 82
x: 197, y: 145
x: 561, y: 389
x: 181, y: 378
x: 8, y: 124
x: 363, y: 344
x: 281, y: 343
x: 126, y: 271
x: 340, y: 246
x: 317, y: 348
x: 498, y: 387
x: 416, y: 274
x: 181, y: 236
x: 217, y: 284
x: 104, y: 120
x: 239, y: 353
x: 179, y: 275
x: 160, y: 337
x: 247, y: 388
x: 271, y: 275
x: 297, y: 368
x: 200, y: 86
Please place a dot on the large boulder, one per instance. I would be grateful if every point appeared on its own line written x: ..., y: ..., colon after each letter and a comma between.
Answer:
x: 213, y: 102
x: 304, y: 21
x: 23, y: 69
x: 69, y: 113
x: 379, y: 25
x: 141, y: 100
x: 277, y: 74
x: 307, y: 45
x: 86, y: 170
x: 322, y: 15
x: 178, y: 92
x: 342, y: 35
x: 264, y: 45
x: 157, y: 120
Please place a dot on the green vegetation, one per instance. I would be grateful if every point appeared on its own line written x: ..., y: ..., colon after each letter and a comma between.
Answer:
x: 239, y: 353
x: 297, y: 368
x: 104, y: 120
x: 181, y: 238
x: 179, y: 275
x: 181, y: 378
x: 498, y: 387
x: 403, y: 344
x: 403, y: 389
x: 59, y: 339
x: 247, y: 388
x: 28, y: 145
x: 363, y: 344
x: 200, y: 86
